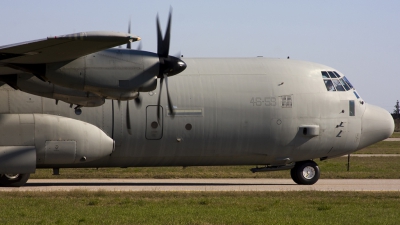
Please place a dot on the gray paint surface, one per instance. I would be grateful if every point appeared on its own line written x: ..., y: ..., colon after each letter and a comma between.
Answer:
x: 230, y: 111
x: 243, y: 120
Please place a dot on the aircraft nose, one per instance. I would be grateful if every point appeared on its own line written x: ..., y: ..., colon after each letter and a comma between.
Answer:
x: 376, y: 125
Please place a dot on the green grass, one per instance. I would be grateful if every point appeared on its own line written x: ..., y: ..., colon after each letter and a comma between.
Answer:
x: 383, y: 147
x: 375, y: 167
x: 80, y: 207
x: 371, y: 167
x: 361, y: 168
x: 395, y: 135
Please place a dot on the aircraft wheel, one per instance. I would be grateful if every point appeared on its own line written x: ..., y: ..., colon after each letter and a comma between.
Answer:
x: 305, y: 173
x: 13, y: 180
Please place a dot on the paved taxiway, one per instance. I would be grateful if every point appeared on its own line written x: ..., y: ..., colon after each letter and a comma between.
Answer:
x: 392, y: 139
x: 206, y: 185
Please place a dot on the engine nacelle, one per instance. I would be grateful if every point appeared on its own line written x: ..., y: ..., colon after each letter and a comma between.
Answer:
x: 114, y: 73
x: 33, y: 85
x: 55, y: 141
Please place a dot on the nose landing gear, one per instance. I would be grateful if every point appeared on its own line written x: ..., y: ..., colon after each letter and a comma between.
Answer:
x: 305, y: 172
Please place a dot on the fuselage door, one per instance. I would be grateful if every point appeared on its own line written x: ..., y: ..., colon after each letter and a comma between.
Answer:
x: 355, y: 112
x: 154, y: 130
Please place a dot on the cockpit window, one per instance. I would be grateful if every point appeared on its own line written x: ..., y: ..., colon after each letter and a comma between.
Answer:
x: 355, y: 93
x: 347, y: 82
x: 324, y: 74
x: 332, y: 75
x: 336, y: 73
x: 334, y: 82
x: 338, y: 85
x: 344, y: 84
x: 329, y: 85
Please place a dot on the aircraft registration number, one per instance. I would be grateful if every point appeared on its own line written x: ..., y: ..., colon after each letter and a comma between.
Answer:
x: 266, y: 101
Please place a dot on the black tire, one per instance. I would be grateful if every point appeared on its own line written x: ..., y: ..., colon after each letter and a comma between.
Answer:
x: 305, y: 173
x: 13, y: 180
x: 294, y: 176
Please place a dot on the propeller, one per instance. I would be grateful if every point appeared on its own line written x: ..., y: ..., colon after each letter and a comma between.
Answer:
x: 128, y: 45
x: 138, y: 99
x: 128, y: 119
x: 139, y: 46
x: 169, y: 65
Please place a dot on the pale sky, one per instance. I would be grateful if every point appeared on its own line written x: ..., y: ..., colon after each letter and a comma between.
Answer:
x: 361, y: 39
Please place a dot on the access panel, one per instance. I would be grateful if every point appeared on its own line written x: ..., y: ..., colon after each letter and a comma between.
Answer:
x: 154, y: 129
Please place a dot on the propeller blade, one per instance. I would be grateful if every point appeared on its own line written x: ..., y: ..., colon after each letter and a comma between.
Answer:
x: 159, y: 100
x: 159, y: 37
x: 138, y: 101
x: 169, y: 65
x: 128, y: 118
x: 170, y: 105
x: 139, y: 46
x: 128, y: 45
x: 167, y: 37
x: 163, y: 43
x: 129, y: 26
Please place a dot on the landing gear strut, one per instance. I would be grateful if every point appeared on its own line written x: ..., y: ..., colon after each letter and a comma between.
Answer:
x: 13, y: 180
x: 305, y: 172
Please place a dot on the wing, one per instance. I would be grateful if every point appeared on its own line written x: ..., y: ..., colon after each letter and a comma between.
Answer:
x: 60, y: 48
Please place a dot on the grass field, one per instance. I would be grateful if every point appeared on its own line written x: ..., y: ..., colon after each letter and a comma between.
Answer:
x: 371, y: 167
x: 79, y: 207
x: 374, y: 167
x: 383, y: 147
x: 396, y: 135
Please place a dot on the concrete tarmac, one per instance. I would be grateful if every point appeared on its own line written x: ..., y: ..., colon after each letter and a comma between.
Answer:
x: 392, y: 139
x: 201, y: 185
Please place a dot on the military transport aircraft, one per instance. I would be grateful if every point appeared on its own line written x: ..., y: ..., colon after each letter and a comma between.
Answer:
x: 74, y: 101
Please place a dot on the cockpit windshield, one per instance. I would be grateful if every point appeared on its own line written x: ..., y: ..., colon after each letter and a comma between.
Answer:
x: 347, y: 82
x: 338, y: 85
x: 334, y: 82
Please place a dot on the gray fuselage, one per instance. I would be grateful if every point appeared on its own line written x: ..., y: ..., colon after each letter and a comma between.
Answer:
x: 235, y: 111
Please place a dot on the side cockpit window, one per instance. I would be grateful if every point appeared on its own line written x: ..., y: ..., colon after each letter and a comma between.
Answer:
x: 334, y: 82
